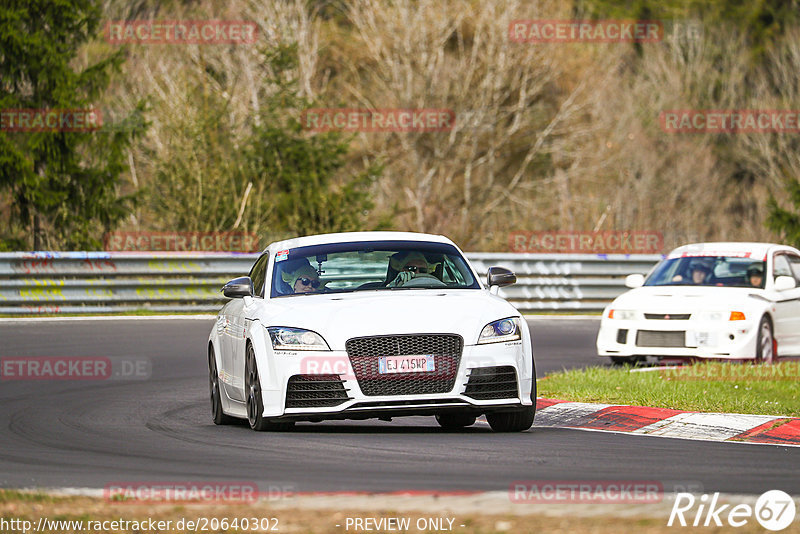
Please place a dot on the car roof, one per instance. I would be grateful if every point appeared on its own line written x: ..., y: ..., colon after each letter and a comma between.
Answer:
x: 349, y: 237
x: 728, y: 248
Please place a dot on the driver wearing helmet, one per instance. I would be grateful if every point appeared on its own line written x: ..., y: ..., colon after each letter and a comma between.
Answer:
x: 408, y: 266
x: 755, y: 274
x: 701, y: 271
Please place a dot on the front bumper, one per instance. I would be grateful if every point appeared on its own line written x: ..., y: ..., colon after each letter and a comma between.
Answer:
x: 361, y: 406
x: 677, y: 338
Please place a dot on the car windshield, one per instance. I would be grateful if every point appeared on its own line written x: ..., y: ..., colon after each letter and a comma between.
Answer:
x: 724, y: 271
x: 370, y: 266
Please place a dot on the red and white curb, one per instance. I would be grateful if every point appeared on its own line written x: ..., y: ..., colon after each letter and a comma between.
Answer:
x: 664, y: 422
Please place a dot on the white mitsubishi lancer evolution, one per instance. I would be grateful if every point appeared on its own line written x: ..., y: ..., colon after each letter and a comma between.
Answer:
x: 365, y: 325
x: 709, y: 300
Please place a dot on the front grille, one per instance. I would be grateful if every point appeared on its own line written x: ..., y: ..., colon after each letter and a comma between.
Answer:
x: 487, y: 383
x: 365, y: 351
x: 656, y: 338
x: 315, y: 391
x: 668, y: 316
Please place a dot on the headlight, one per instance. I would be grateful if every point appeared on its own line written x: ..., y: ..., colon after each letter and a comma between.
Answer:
x: 285, y: 338
x: 499, y: 331
x: 622, y: 315
x: 723, y: 315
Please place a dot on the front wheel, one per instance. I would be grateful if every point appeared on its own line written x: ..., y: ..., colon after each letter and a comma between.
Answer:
x: 255, y: 404
x: 518, y: 420
x: 624, y: 360
x: 455, y: 421
x: 765, y: 343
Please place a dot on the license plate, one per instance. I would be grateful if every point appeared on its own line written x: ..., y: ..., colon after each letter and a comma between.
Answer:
x: 422, y: 363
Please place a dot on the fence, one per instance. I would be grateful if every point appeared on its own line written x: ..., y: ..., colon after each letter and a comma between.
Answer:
x: 107, y: 282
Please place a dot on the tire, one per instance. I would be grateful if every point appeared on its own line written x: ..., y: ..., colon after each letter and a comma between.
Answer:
x: 217, y: 415
x: 518, y: 420
x: 624, y: 360
x: 455, y: 421
x: 255, y: 403
x: 765, y: 343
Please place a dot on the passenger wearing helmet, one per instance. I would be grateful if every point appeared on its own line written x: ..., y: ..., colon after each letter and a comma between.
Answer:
x: 303, y: 279
x: 755, y: 274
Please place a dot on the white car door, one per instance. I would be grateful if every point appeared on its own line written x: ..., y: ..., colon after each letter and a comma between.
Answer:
x: 787, y: 307
x: 234, y: 358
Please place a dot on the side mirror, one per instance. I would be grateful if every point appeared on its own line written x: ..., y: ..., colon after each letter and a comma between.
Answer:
x: 634, y: 280
x: 782, y: 283
x: 500, y: 277
x: 238, y: 287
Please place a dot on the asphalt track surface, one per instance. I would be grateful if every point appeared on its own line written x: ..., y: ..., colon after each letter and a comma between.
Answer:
x: 94, y: 433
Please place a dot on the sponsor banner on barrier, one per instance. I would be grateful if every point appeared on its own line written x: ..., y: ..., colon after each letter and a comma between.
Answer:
x: 50, y: 120
x: 586, y: 491
x: 730, y: 121
x: 181, y: 241
x: 235, y: 32
x: 577, y: 242
x: 585, y: 31
x: 74, y: 368
x: 377, y: 120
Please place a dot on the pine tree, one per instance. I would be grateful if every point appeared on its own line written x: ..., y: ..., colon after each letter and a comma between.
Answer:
x: 62, y: 185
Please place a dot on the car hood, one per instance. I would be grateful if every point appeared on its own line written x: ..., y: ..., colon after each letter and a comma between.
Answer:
x: 339, y: 317
x: 686, y: 299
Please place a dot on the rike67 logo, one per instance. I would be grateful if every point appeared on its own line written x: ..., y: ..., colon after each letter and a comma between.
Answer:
x: 774, y: 510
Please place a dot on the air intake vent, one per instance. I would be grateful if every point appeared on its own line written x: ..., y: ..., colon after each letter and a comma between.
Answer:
x: 489, y: 383
x: 315, y: 391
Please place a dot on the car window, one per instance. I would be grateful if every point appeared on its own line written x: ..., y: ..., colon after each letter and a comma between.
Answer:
x: 722, y: 271
x: 258, y: 274
x: 781, y: 266
x: 794, y: 264
x: 370, y: 266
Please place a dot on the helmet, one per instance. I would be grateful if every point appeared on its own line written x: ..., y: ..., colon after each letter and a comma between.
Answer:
x: 700, y: 265
x: 755, y: 269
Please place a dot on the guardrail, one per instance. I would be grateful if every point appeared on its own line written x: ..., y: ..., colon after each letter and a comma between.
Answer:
x: 35, y: 283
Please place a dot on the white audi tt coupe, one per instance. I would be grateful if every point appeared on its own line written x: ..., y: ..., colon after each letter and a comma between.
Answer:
x: 709, y: 300
x: 370, y: 324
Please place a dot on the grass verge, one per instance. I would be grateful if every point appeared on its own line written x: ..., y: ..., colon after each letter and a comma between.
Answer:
x: 703, y: 387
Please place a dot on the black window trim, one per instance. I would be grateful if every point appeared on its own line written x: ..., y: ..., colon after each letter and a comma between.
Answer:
x: 265, y: 258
